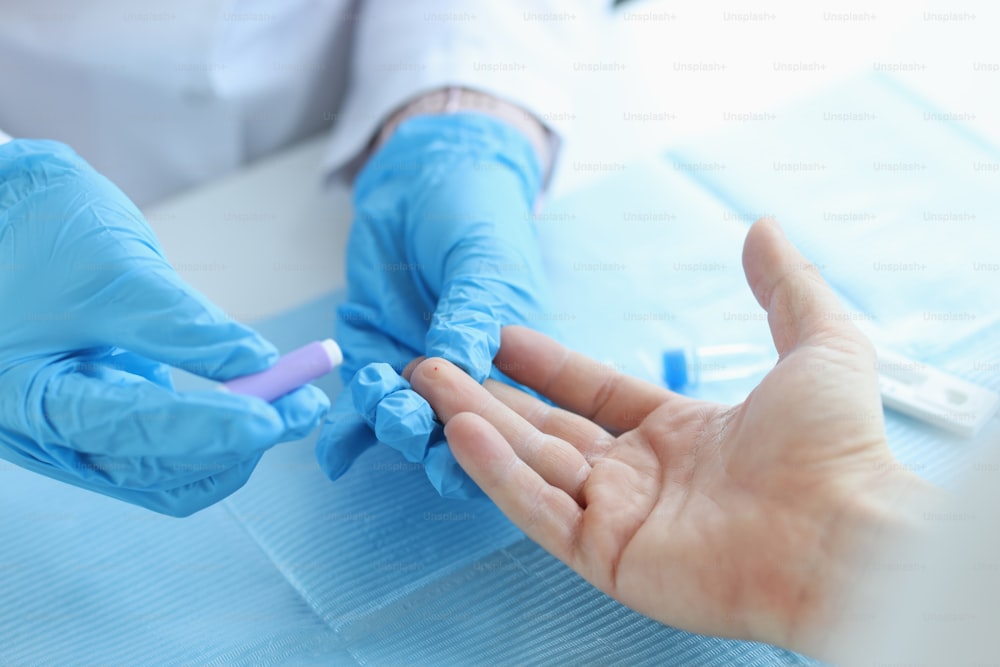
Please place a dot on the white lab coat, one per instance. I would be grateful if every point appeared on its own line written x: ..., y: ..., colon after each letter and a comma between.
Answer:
x: 161, y: 95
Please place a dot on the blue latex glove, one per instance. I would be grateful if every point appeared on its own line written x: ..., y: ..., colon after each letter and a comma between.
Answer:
x: 92, y: 316
x: 442, y: 253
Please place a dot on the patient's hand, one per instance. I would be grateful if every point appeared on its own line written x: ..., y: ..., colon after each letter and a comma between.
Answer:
x: 744, y: 521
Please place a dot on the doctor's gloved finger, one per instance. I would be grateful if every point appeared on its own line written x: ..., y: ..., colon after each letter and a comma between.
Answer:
x: 546, y: 514
x: 157, y: 315
x: 140, y: 419
x: 136, y: 364
x: 451, y: 392
x: 186, y: 499
x: 465, y: 329
x: 344, y: 437
x: 142, y: 473
x: 447, y: 476
x: 399, y: 416
x: 370, y: 386
x: 301, y: 411
x: 406, y: 422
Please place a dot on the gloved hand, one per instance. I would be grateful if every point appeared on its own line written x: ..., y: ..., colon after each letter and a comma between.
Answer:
x: 92, y: 316
x: 442, y: 253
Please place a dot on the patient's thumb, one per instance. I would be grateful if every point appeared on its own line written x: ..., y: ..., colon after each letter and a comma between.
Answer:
x: 800, y: 305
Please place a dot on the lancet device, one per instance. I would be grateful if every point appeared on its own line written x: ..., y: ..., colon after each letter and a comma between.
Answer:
x: 291, y: 371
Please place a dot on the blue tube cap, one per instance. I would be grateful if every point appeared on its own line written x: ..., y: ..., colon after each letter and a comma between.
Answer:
x: 675, y: 369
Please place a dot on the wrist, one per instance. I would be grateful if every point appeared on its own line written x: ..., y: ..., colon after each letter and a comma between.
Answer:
x: 877, y: 521
x: 455, y: 99
x: 471, y: 160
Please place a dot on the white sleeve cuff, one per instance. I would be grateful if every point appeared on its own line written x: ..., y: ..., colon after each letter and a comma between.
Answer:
x: 513, y: 50
x: 4, y: 137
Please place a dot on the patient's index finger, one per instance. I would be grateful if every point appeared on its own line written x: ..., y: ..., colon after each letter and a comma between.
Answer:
x: 451, y: 391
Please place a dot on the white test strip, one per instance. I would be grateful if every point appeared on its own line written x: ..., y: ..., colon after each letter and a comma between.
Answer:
x: 933, y: 396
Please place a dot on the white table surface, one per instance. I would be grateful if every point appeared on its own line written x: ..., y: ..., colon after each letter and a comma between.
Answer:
x: 262, y: 240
